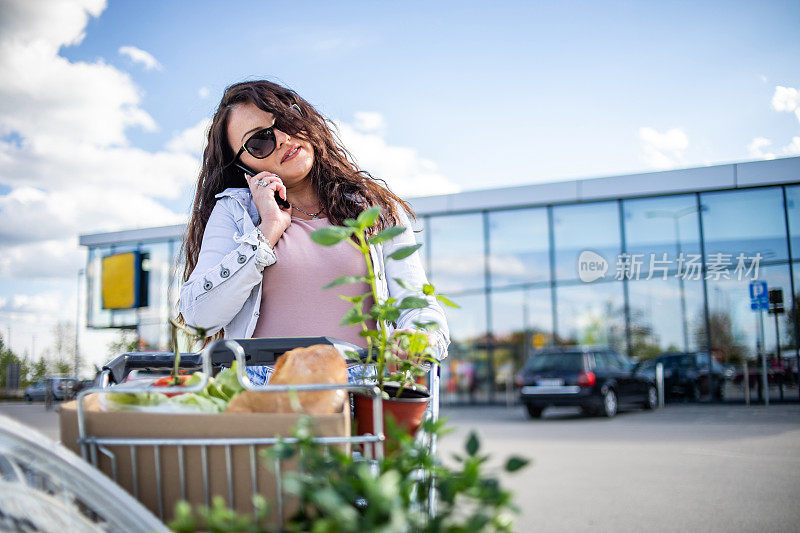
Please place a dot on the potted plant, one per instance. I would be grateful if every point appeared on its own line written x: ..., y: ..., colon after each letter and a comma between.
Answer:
x: 398, y: 360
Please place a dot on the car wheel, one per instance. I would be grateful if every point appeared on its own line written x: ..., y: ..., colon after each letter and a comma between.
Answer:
x: 533, y: 411
x: 609, y: 403
x: 652, y: 398
x: 28, y: 398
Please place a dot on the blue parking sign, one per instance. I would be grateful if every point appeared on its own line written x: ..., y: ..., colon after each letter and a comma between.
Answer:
x: 759, y: 296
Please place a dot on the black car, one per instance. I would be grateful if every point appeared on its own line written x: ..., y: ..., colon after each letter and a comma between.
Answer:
x: 686, y: 374
x: 597, y: 380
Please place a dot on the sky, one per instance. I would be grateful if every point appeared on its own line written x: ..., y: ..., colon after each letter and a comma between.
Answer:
x: 104, y: 105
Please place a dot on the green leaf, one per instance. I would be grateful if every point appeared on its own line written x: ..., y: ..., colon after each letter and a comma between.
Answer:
x: 391, y: 315
x: 412, y: 302
x: 368, y: 218
x: 369, y: 333
x: 330, y: 235
x: 473, y: 444
x: 354, y: 299
x: 404, y: 284
x: 427, y: 326
x: 342, y: 280
x: 446, y: 301
x: 403, y: 252
x: 515, y: 463
x: 351, y: 222
x: 387, y: 234
x: 427, y: 289
x: 352, y: 317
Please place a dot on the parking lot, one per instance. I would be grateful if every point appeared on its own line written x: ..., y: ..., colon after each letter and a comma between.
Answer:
x: 688, y: 467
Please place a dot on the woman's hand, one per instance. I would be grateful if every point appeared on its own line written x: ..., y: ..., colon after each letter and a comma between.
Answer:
x: 398, y: 351
x: 274, y: 220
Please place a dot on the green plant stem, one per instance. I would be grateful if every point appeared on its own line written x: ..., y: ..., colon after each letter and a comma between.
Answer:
x: 370, y: 279
x: 364, y: 248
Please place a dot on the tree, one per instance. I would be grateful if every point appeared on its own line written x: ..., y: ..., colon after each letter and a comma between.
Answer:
x: 128, y: 342
x: 38, y: 369
x: 723, y: 339
x: 64, y: 347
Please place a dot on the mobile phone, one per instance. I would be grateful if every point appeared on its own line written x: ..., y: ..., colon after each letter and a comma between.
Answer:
x: 281, y: 202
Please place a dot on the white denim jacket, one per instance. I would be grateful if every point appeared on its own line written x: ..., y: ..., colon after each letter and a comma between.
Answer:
x: 224, y: 289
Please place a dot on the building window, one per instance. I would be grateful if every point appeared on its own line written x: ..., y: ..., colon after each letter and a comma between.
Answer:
x: 457, y: 252
x: 585, y: 227
x: 519, y: 247
x: 745, y: 222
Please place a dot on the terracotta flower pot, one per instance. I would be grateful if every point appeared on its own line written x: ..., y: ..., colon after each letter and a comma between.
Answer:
x: 407, y: 410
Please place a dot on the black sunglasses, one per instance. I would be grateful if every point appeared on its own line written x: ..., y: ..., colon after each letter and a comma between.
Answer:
x: 262, y: 143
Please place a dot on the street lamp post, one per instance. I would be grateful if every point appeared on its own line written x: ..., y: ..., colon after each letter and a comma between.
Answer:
x: 676, y: 216
x: 77, y: 321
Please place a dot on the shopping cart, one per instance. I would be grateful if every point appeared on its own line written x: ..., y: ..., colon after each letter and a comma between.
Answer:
x: 218, y: 355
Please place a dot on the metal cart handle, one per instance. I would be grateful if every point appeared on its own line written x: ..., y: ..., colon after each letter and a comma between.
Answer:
x: 258, y: 352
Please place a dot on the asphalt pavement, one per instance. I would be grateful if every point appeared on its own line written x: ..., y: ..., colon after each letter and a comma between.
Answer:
x: 683, y: 468
x: 687, y: 467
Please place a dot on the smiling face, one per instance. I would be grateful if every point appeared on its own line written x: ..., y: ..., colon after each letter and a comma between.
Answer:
x: 293, y: 156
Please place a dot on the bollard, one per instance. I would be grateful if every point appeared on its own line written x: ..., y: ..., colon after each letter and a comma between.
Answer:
x: 660, y: 384
x: 746, y: 384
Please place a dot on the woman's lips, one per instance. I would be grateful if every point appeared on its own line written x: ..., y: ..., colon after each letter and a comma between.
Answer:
x: 291, y: 154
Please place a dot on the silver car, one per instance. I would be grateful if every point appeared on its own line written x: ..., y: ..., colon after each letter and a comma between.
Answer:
x: 62, y: 388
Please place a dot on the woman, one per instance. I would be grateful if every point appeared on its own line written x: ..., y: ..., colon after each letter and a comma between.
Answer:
x: 251, y: 267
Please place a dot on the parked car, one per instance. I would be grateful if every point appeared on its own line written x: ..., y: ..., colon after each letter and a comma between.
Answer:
x: 598, y: 380
x: 62, y: 388
x: 686, y: 374
x: 784, y: 373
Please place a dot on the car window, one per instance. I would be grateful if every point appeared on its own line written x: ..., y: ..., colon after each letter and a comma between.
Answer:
x: 566, y: 361
x: 670, y: 362
x: 623, y: 362
x: 601, y: 361
x: 612, y: 362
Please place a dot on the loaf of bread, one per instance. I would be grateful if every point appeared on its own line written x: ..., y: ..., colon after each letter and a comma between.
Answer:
x: 316, y: 364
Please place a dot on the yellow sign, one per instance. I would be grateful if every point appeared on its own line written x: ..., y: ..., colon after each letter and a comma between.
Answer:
x: 539, y: 340
x: 119, y: 287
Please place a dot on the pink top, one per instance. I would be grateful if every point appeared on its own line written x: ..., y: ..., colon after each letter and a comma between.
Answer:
x: 293, y: 302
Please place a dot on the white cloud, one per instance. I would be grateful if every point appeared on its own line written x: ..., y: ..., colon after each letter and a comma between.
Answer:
x: 663, y: 150
x: 59, y: 22
x: 137, y: 55
x: 203, y: 92
x: 67, y: 160
x: 49, y: 303
x: 786, y: 99
x: 29, y: 215
x: 369, y: 121
x: 793, y: 147
x: 406, y: 173
x: 756, y: 148
x: 192, y: 140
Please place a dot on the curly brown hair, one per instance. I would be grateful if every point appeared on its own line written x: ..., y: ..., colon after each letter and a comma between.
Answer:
x: 342, y: 188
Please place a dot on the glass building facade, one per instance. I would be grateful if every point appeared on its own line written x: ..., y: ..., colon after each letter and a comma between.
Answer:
x: 679, y: 247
